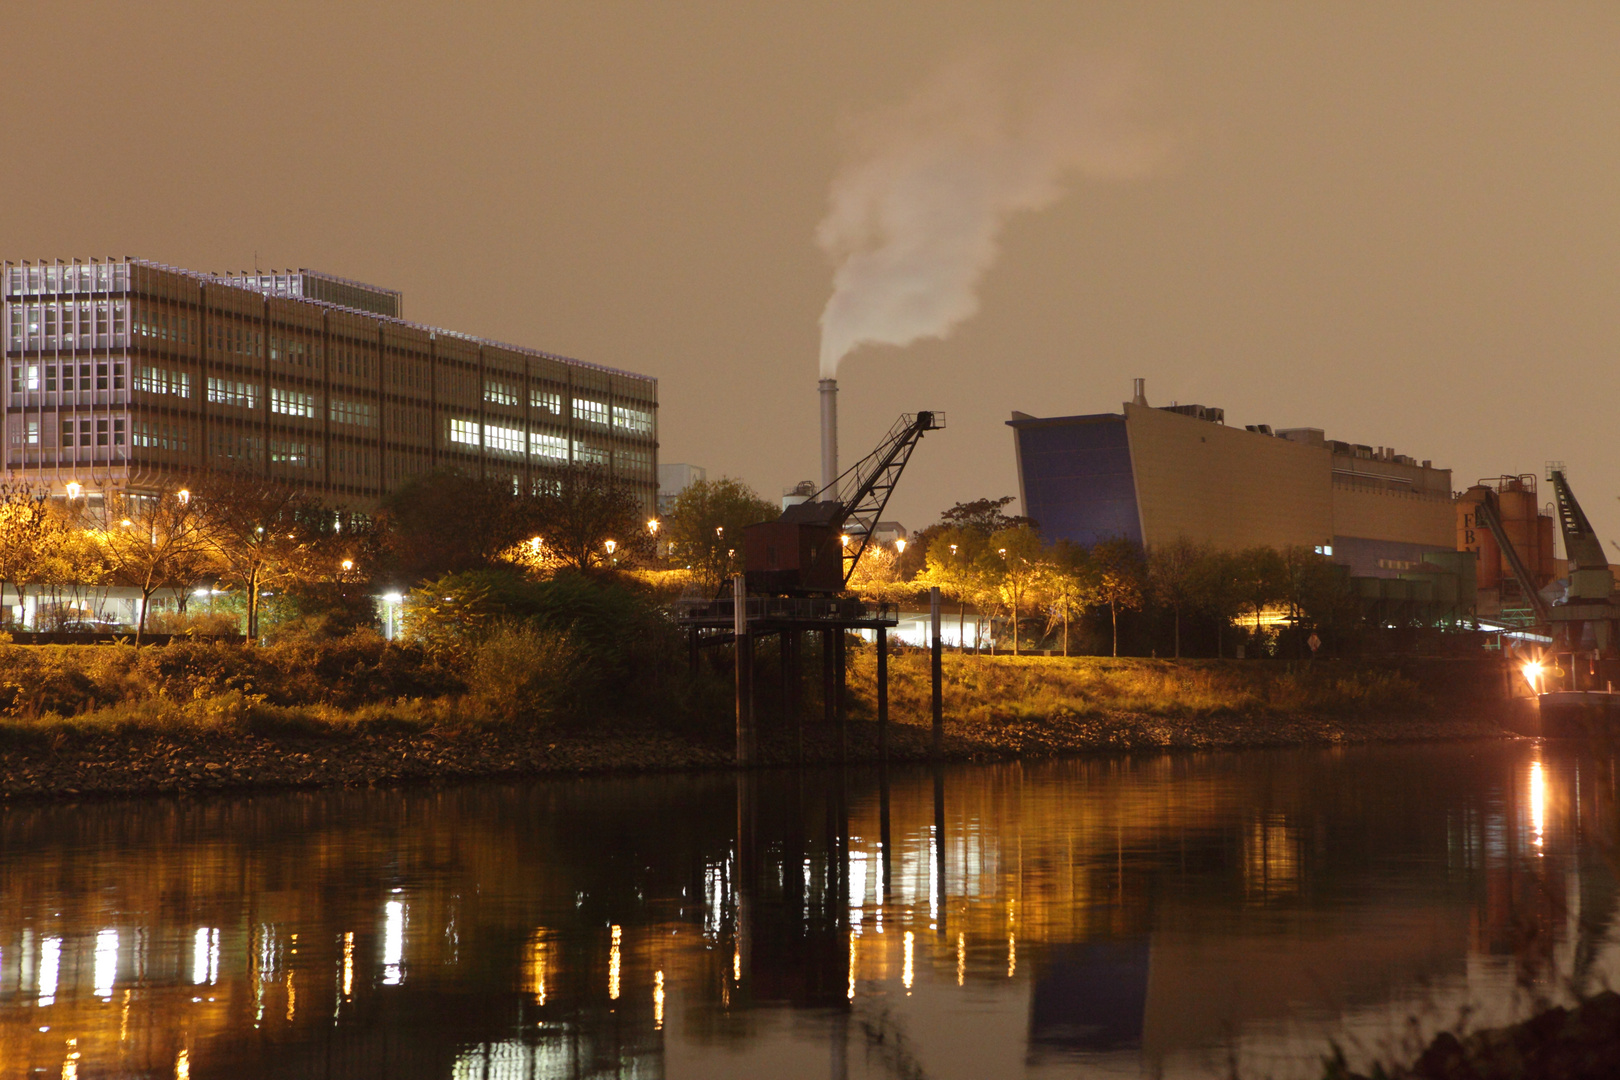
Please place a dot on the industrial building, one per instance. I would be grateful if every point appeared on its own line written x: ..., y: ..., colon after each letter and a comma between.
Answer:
x: 1154, y: 475
x: 126, y: 373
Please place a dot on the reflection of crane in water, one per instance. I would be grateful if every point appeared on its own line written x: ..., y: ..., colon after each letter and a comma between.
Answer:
x: 887, y: 1042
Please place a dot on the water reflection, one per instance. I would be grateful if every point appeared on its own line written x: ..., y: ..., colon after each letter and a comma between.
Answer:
x: 1130, y: 915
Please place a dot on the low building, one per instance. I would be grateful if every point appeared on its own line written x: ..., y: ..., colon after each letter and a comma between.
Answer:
x: 125, y: 373
x: 1154, y: 475
x: 674, y: 479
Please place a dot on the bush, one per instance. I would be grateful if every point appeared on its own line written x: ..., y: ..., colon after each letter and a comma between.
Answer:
x: 526, y: 672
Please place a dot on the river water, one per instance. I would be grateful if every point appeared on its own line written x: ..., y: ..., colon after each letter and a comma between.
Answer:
x: 1168, y: 915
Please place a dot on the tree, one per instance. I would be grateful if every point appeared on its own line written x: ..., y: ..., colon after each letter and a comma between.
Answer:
x: 876, y: 578
x: 1119, y: 574
x: 1069, y: 584
x: 259, y: 530
x: 31, y: 535
x: 588, y: 517
x: 705, y: 526
x: 154, y: 542
x: 1178, y: 578
x: 444, y: 523
x: 953, y: 565
x: 1019, y: 549
x: 984, y: 516
x: 1263, y: 579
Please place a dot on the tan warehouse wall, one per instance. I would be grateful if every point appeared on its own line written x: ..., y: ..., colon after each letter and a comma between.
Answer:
x: 1226, y: 486
x: 1394, y: 515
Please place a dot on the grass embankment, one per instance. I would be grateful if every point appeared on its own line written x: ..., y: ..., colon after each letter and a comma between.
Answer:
x: 1031, y: 706
x: 355, y: 709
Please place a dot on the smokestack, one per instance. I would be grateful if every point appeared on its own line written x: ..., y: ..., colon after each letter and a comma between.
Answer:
x: 1141, y: 392
x: 829, y: 433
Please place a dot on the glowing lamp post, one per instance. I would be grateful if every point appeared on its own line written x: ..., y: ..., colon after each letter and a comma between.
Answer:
x: 391, y: 602
x: 74, y: 490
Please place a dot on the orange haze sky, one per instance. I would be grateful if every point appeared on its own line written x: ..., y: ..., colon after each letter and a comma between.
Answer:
x: 1396, y: 222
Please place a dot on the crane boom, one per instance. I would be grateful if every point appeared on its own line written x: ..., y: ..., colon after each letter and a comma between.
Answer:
x: 802, y: 552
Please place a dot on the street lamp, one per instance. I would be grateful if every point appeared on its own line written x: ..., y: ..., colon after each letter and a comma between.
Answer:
x: 652, y: 526
x: 719, y: 532
x: 183, y: 495
x: 900, y: 545
x: 74, y: 490
x: 391, y: 602
x: 611, y: 546
x: 953, y: 551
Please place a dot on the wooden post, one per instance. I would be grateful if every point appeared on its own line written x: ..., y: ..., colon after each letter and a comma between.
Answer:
x: 840, y: 688
x: 745, y: 674
x: 937, y: 666
x: 883, y: 692
x: 829, y: 704
x: 790, y: 688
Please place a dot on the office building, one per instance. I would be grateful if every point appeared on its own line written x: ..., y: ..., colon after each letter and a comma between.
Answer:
x: 126, y: 373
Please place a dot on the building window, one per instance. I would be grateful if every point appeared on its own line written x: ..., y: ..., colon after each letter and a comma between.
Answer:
x: 155, y: 380
x: 500, y: 393
x: 292, y: 402
x: 591, y: 412
x: 243, y: 395
x: 103, y: 431
x: 547, y: 401
x: 553, y: 447
x: 635, y: 421
x: 503, y: 440
x: 464, y: 432
x: 357, y: 413
x: 587, y: 454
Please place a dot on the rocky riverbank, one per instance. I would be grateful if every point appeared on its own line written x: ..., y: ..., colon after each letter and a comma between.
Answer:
x: 74, y: 763
x: 1582, y: 1043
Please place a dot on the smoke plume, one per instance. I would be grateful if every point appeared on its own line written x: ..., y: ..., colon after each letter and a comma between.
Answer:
x: 917, y: 210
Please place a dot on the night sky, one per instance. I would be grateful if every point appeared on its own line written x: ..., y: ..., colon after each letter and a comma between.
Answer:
x: 1395, y: 222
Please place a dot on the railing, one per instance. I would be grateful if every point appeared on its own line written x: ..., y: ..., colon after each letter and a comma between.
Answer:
x: 794, y: 608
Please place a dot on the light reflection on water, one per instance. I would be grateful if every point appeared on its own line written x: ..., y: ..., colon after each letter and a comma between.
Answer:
x: 1135, y: 916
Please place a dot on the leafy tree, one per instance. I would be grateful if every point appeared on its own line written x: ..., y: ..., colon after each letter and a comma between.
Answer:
x: 955, y: 565
x: 705, y: 526
x: 1069, y: 584
x: 444, y: 523
x: 260, y: 531
x: 1019, y: 549
x: 585, y: 512
x: 154, y: 542
x: 1120, y: 574
x: 984, y: 516
x: 1263, y: 579
x: 31, y: 535
x: 1179, y: 578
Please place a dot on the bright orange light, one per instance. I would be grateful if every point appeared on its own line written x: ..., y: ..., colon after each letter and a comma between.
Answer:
x: 347, y: 564
x: 74, y: 489
x: 844, y: 540
x: 183, y: 495
x: 652, y: 526
x: 900, y: 546
x: 611, y: 546
x: 1538, y: 803
x: 1532, y: 675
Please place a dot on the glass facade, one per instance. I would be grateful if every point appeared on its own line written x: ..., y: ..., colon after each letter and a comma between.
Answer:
x: 1076, y: 477
x: 132, y: 374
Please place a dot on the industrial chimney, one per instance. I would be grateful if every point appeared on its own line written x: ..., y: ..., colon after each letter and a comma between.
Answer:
x: 1140, y: 389
x: 829, y: 434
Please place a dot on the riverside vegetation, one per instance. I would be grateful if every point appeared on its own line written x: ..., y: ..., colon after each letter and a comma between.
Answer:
x: 535, y: 637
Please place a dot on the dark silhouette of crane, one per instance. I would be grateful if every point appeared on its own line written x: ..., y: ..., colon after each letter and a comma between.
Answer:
x: 815, y: 545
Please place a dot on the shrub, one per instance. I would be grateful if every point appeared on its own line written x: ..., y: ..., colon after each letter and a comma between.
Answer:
x: 526, y: 672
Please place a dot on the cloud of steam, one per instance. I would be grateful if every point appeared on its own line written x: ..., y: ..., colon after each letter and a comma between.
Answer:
x: 917, y: 211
